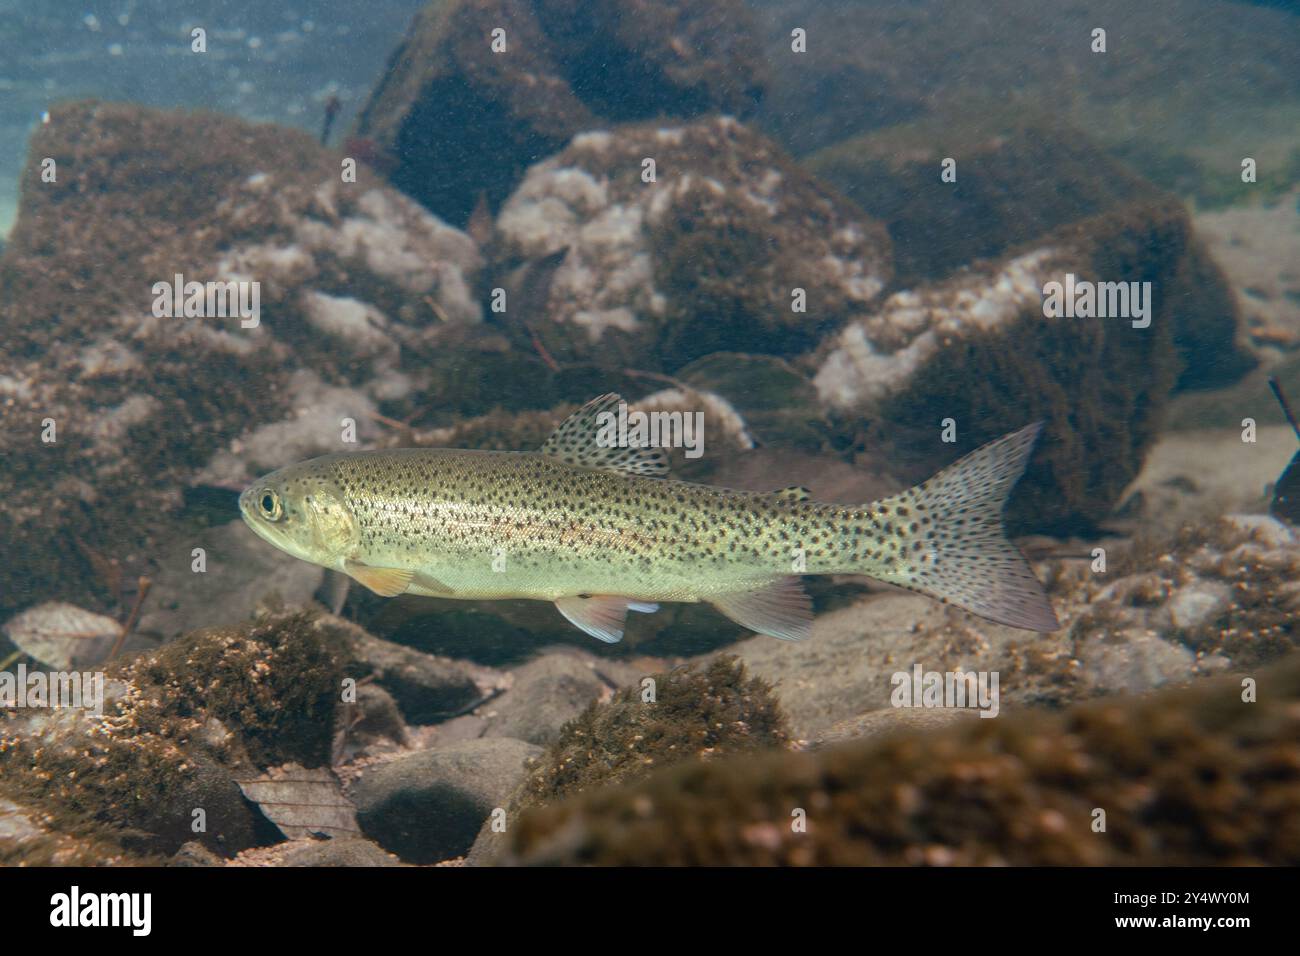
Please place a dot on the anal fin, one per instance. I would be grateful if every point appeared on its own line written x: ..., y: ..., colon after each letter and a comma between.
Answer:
x: 602, y: 615
x: 779, y: 609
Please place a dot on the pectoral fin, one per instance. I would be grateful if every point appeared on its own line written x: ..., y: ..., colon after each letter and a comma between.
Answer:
x: 602, y: 615
x: 386, y: 582
x: 780, y: 609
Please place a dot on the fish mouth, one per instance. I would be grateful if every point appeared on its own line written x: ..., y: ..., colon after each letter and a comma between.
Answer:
x: 248, y: 511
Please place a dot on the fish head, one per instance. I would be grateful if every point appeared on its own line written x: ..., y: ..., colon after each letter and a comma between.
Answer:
x: 302, y: 511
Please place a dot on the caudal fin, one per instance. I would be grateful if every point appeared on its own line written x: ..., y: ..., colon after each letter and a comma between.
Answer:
x: 954, y: 547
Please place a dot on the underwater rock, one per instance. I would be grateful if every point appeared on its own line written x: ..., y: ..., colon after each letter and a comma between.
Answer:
x: 428, y: 688
x: 1187, y: 777
x: 27, y: 840
x: 844, y: 668
x: 1131, y: 661
x: 1223, y: 590
x: 179, y: 725
x: 240, y: 573
x: 194, y: 854
x: 1016, y: 179
x: 708, y: 257
x: 457, y: 118
x: 875, y: 65
x: 122, y: 778
x: 977, y: 349
x: 356, y: 283
x: 702, y: 711
x: 375, y: 722
x: 544, y: 695
x: 890, y: 720
x: 338, y: 852
x: 1019, y: 180
x: 427, y: 806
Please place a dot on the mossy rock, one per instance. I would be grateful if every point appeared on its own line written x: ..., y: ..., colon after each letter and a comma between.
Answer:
x: 1186, y: 778
x: 730, y: 247
x: 458, y: 119
x: 357, y: 284
x: 178, y: 725
x: 699, y: 712
x: 275, y: 683
x: 978, y: 350
x: 1020, y: 180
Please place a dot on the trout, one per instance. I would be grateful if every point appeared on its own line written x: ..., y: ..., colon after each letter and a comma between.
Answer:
x: 601, y: 531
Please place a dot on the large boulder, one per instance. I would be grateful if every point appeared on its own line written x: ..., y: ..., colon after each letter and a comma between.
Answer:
x: 456, y: 119
x: 978, y: 349
x: 356, y: 283
x: 1018, y: 180
x: 706, y: 257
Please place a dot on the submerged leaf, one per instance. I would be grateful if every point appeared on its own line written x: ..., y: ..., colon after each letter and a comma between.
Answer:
x: 302, y: 802
x: 63, y: 636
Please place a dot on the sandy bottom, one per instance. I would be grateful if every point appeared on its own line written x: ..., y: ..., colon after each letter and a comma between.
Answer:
x: 1259, y: 248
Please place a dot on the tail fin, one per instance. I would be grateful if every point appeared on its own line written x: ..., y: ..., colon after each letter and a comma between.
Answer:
x: 964, y: 557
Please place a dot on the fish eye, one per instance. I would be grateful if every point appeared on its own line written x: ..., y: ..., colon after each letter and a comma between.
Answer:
x: 269, y: 504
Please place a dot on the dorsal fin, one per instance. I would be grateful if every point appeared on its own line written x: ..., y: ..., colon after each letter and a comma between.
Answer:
x: 794, y: 493
x: 589, y: 437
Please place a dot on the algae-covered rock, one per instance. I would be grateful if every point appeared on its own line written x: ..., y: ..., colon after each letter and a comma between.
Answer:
x: 707, y: 710
x: 979, y: 350
x: 1189, y: 777
x: 1224, y: 590
x: 112, y: 407
x: 1018, y: 180
x: 704, y: 711
x: 158, y: 766
x: 709, y: 256
x: 27, y: 840
x: 458, y: 119
x: 427, y: 687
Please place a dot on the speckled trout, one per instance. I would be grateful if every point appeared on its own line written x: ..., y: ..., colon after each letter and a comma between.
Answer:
x: 601, y: 531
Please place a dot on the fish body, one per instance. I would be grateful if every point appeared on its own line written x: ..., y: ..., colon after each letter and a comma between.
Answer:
x: 593, y: 530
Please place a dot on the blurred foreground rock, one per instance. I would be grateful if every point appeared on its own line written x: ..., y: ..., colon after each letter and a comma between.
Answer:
x: 1208, y: 776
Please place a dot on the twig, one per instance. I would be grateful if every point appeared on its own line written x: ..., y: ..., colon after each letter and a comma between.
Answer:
x: 553, y: 365
x: 133, y: 618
